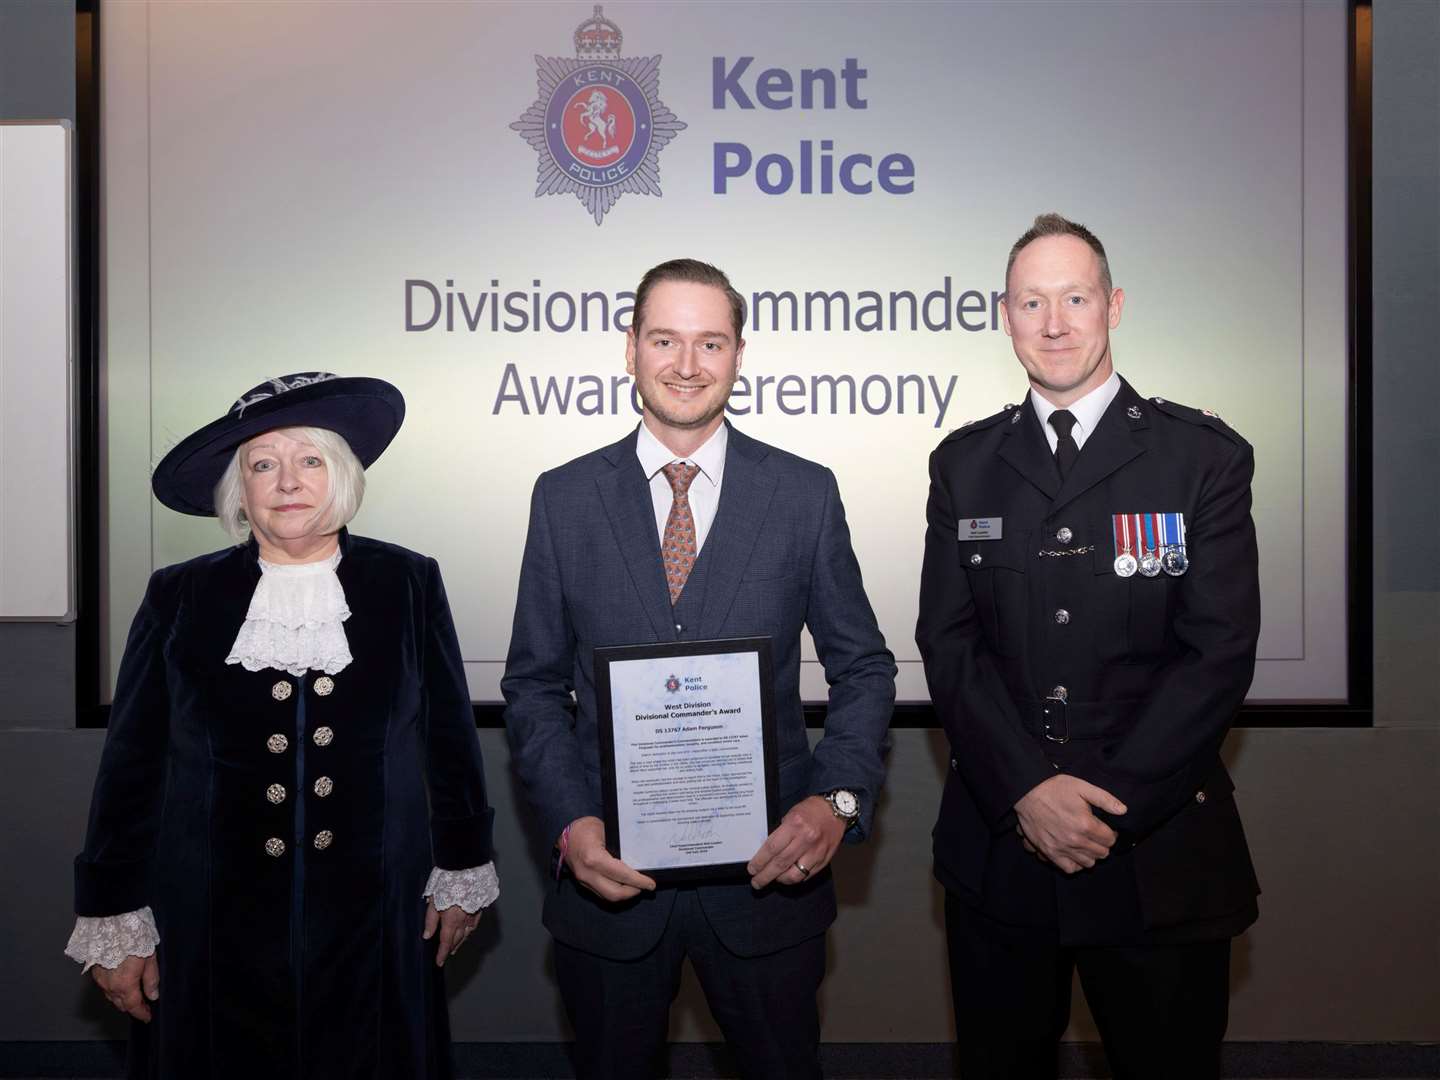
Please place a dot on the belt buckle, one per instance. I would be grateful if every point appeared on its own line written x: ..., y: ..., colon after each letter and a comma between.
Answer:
x: 1055, y: 714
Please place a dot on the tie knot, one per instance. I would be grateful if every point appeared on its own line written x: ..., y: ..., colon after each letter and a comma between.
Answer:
x: 1063, y: 421
x: 679, y: 474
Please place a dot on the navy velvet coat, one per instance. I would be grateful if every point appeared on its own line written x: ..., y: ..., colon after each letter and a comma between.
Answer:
x: 307, y: 963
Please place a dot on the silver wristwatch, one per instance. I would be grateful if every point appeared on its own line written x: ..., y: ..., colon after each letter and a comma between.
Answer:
x: 845, y: 805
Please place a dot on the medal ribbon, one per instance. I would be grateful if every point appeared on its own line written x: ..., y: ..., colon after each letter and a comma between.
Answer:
x: 1120, y: 524
x: 1149, y: 520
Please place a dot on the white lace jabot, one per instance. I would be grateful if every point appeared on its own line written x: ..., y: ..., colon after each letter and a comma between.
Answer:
x: 294, y: 620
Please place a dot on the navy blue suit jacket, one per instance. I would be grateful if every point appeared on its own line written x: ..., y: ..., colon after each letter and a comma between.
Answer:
x: 777, y: 558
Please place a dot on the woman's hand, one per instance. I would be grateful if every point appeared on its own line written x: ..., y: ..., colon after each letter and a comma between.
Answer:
x: 455, y: 927
x: 130, y: 985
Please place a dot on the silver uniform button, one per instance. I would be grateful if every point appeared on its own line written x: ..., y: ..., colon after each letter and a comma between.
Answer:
x: 274, y: 847
x: 324, y: 685
x: 1062, y: 616
x: 281, y: 690
x: 1061, y: 693
x: 323, y: 736
x: 324, y: 786
x: 323, y: 839
x: 1199, y: 796
x: 275, y: 793
x: 976, y: 559
x: 1064, y: 535
x: 277, y: 744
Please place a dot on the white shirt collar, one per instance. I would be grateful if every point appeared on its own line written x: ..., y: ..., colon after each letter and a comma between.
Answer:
x: 655, y: 455
x: 1087, y: 411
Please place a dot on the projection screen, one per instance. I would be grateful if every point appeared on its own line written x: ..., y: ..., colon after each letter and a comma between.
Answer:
x: 433, y: 193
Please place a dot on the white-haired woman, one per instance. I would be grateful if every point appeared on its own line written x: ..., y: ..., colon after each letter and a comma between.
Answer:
x: 291, y: 769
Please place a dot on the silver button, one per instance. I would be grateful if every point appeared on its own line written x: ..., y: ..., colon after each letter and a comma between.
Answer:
x: 324, y: 786
x: 1199, y: 796
x: 323, y: 839
x: 1060, y: 693
x: 323, y: 736
x: 274, y: 847
x: 281, y: 690
x: 277, y: 744
x: 976, y: 559
x: 324, y: 685
x: 275, y: 793
x: 1062, y: 616
x: 679, y: 629
x: 1064, y: 535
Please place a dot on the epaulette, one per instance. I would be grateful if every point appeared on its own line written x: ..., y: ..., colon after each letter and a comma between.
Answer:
x: 972, y: 426
x: 1200, y: 417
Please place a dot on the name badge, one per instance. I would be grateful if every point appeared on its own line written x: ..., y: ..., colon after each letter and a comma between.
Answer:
x: 980, y: 528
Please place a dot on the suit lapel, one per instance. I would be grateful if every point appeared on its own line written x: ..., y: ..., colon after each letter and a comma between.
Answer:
x: 745, y: 494
x: 1026, y: 450
x: 625, y: 494
x: 1114, y: 443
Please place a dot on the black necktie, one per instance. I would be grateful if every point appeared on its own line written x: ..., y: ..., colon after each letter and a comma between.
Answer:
x: 1063, y: 421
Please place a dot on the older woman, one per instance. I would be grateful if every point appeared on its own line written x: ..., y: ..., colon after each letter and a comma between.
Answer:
x: 291, y: 769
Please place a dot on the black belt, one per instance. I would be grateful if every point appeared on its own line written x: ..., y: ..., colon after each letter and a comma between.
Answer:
x: 1060, y: 720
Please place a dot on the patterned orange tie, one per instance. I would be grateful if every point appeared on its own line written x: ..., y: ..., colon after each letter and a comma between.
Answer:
x: 678, y: 548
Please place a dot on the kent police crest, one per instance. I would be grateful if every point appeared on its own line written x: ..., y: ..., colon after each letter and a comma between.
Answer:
x: 598, y: 124
x: 672, y: 684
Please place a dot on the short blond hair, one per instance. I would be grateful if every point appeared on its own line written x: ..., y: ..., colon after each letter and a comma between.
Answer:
x: 342, y: 501
x: 1053, y: 224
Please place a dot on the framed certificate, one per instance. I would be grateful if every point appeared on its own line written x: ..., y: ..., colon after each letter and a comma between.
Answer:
x: 687, y: 755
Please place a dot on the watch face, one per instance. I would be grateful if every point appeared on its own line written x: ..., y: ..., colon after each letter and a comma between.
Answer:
x: 846, y: 803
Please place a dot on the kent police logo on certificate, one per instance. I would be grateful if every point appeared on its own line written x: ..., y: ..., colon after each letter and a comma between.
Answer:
x: 598, y: 124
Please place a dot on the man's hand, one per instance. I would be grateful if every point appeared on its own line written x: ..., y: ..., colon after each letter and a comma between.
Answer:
x: 455, y: 926
x: 802, y: 844
x: 595, y: 868
x: 130, y: 985
x: 1055, y: 819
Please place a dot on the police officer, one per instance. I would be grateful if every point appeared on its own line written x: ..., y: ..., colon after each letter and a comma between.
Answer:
x: 1089, y: 610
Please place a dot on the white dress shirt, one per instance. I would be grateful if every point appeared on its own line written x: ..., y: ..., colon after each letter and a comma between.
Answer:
x: 1087, y: 411
x: 704, y: 489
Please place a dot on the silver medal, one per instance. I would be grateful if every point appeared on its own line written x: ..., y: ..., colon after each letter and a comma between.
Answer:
x: 1174, y: 562
x: 1150, y: 564
x: 1125, y: 565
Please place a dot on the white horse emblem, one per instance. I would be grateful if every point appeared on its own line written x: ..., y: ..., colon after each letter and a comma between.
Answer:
x: 593, y: 116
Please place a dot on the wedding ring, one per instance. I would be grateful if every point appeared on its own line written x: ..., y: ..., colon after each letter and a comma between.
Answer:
x: 804, y: 870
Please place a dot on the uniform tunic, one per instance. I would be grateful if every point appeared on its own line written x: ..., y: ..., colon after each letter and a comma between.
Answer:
x: 282, y: 828
x: 1152, y: 669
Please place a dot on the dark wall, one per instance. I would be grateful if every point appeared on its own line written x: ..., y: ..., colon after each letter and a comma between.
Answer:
x: 37, y: 60
x: 1407, y: 275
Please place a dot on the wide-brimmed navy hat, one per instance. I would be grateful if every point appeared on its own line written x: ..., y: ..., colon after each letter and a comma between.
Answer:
x: 367, y: 412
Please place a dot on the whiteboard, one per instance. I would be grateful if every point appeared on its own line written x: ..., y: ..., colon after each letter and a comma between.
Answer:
x: 36, y: 435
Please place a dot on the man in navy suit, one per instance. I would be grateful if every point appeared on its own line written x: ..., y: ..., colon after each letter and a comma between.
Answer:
x: 755, y: 545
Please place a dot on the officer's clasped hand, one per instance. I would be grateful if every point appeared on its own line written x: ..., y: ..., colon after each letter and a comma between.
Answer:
x: 1057, y: 823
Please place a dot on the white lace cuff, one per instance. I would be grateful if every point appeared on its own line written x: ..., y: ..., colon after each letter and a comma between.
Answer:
x: 109, y: 939
x: 472, y: 889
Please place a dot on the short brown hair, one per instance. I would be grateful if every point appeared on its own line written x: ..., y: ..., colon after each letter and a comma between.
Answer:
x: 697, y: 273
x: 1053, y: 224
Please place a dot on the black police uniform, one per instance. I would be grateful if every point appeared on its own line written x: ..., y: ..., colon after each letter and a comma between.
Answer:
x: 1041, y: 658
